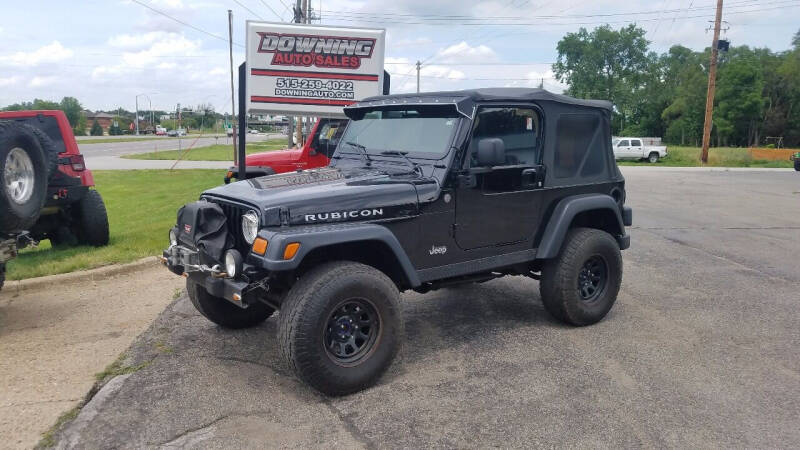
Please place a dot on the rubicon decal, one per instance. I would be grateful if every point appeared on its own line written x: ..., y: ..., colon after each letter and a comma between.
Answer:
x: 320, y: 51
x: 344, y: 215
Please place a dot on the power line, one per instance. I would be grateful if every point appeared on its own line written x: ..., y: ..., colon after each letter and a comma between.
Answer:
x: 546, y: 20
x: 248, y: 9
x: 273, y: 11
x: 476, y: 79
x: 503, y: 24
x: 478, y: 64
x: 351, y: 13
x: 198, y: 29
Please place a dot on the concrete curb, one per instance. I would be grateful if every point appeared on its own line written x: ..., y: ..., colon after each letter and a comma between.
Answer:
x: 81, y: 276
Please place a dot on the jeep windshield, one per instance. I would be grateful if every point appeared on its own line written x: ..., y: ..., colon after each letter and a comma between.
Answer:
x: 424, y: 132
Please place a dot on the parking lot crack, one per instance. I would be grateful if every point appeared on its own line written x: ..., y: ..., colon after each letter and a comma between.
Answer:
x: 177, y: 440
x: 350, y: 425
x: 720, y: 257
x: 233, y: 358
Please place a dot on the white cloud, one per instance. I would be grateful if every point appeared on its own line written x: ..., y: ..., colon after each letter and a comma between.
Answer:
x: 161, y: 50
x: 463, y: 52
x: 169, y: 4
x: 50, y: 53
x: 10, y: 81
x: 136, y: 42
x: 38, y: 81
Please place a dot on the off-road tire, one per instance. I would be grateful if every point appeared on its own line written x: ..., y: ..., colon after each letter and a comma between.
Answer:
x: 49, y: 149
x: 91, y: 220
x: 224, y: 313
x: 21, y: 216
x: 62, y: 236
x: 559, y: 286
x: 652, y: 158
x: 306, y: 314
x: 797, y: 165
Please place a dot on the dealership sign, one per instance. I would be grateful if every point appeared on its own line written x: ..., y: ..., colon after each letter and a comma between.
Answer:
x: 300, y: 69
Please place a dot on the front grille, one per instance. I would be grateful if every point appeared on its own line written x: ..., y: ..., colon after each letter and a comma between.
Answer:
x: 233, y: 213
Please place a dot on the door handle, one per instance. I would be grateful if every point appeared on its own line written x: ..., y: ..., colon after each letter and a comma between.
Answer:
x: 533, y: 177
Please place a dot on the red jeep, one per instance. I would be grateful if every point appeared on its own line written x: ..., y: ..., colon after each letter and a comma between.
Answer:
x: 316, y: 152
x: 46, y: 192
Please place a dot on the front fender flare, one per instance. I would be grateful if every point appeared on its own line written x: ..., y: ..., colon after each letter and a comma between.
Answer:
x: 563, y: 214
x: 313, y: 237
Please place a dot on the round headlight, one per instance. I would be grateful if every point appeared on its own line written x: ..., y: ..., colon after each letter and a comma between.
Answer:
x: 173, y: 237
x: 233, y: 263
x: 250, y: 226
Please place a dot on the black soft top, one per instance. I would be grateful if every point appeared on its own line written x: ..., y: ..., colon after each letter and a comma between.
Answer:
x: 466, y: 99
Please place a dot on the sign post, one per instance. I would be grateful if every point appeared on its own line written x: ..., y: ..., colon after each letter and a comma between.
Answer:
x: 242, y: 121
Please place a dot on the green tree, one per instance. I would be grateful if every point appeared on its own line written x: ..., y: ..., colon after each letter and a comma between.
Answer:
x: 685, y: 90
x: 74, y: 111
x: 606, y: 64
x: 739, y: 98
x: 96, y: 130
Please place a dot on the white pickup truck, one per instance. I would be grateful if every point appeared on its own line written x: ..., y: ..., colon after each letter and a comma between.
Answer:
x: 633, y: 148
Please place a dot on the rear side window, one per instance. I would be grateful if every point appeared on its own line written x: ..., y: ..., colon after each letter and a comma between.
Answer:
x: 636, y: 143
x: 578, y: 150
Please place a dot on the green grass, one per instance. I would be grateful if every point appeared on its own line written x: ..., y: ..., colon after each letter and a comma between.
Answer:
x: 112, y: 140
x: 142, y: 205
x: 211, y: 153
x: 119, y: 368
x: 717, y: 157
x: 48, y: 437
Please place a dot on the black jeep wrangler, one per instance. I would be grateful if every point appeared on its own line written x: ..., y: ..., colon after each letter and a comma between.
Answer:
x: 424, y: 191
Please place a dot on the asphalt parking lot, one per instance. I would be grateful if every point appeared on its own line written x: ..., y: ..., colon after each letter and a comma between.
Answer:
x: 701, y: 350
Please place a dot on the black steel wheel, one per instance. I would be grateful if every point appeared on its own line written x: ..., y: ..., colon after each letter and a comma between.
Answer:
x: 351, y: 331
x: 592, y: 278
x: 340, y: 326
x: 580, y: 285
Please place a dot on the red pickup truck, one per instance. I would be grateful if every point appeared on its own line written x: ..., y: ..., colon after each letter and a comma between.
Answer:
x: 316, y: 152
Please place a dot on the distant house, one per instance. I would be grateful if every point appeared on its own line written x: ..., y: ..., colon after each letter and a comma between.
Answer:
x: 105, y: 120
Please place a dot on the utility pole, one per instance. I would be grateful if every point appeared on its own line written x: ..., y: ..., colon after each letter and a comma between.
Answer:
x: 233, y: 104
x: 137, y: 115
x: 419, y: 66
x: 301, y: 16
x: 712, y: 84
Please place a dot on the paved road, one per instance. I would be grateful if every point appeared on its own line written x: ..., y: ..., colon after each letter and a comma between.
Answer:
x: 106, y: 156
x: 150, y: 145
x: 701, y: 350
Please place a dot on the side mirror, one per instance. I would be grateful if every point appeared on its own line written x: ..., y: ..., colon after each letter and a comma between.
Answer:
x: 491, y: 152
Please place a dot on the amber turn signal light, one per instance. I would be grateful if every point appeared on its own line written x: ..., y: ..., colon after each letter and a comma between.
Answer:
x: 291, y: 250
x: 260, y: 246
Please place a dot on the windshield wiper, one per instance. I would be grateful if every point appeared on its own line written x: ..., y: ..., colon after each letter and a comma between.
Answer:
x: 363, y: 151
x: 414, y: 166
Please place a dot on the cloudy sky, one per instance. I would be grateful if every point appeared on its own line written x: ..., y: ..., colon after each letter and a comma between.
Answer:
x: 105, y: 52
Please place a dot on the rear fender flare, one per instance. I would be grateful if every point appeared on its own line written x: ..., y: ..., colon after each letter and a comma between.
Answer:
x: 563, y: 215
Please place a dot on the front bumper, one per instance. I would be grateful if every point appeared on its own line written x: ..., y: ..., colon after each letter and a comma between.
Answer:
x: 185, y: 262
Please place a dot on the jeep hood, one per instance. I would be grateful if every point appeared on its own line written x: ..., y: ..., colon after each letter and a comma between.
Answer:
x: 325, y: 195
